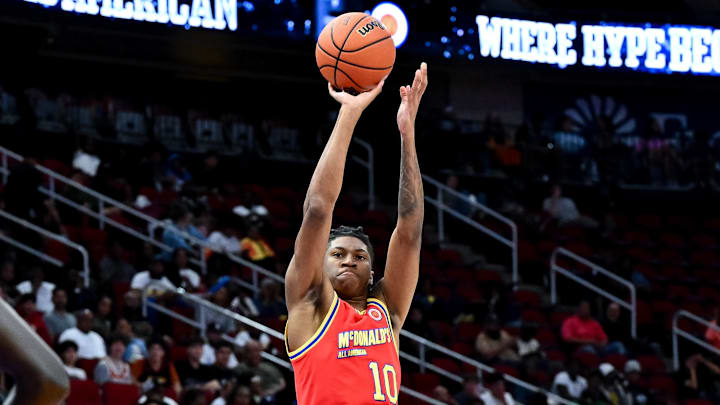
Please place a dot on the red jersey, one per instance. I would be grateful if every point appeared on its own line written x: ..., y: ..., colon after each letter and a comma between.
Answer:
x: 351, y: 359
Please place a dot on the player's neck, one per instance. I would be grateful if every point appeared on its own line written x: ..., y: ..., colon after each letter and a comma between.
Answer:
x: 359, y: 303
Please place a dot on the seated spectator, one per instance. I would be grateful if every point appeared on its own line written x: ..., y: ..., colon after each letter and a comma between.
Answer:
x: 494, y: 344
x: 156, y: 371
x: 40, y: 289
x: 495, y: 393
x: 214, y: 337
x: 582, y: 331
x: 79, y: 296
x: 7, y: 277
x: 179, y: 272
x: 221, y: 370
x: 240, y: 395
x: 527, y: 345
x: 113, y: 368
x: 25, y: 307
x: 192, y: 373
x: 617, y: 328
x: 255, y: 248
x: 570, y: 384
x: 209, y: 177
x: 59, y: 320
x: 113, y: 267
x: 613, y: 384
x: 68, y: 354
x: 564, y: 211
x: 156, y: 396
x: 176, y: 171
x: 91, y: 345
x: 136, y: 348
x: 154, y: 281
x: 637, y: 392
x: 132, y: 310
x: 181, y: 223
x: 272, y: 379
x: 712, y: 334
x: 225, y: 239
x: 594, y: 394
x: 442, y: 394
x: 471, y: 391
x: 270, y: 303
x: 102, y: 323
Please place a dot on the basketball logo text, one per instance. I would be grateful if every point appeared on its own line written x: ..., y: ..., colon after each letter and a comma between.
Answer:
x: 369, y: 27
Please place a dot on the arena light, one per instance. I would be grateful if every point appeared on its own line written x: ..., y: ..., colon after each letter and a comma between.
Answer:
x: 649, y: 48
x: 394, y: 20
x: 210, y: 14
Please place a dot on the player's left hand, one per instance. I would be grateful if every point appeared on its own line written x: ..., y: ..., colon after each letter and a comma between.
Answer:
x: 410, y: 97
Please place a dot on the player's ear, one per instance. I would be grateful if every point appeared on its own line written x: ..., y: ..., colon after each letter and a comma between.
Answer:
x: 372, y: 275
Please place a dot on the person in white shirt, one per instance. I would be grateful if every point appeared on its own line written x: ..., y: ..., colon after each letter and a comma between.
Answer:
x: 564, y: 210
x: 570, y: 384
x: 225, y: 238
x: 214, y: 336
x: 90, y: 344
x: 40, y: 288
x: 179, y: 273
x: 68, y: 353
x: 495, y: 393
x: 154, y: 279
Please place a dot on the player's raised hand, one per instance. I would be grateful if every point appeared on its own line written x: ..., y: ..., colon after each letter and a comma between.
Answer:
x: 410, y: 97
x: 358, y: 102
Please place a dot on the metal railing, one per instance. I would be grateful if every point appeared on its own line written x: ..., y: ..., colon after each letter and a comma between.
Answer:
x: 555, y: 268
x: 368, y: 164
x: 30, y: 250
x: 203, y: 305
x: 59, y: 238
x: 439, y: 203
x: 679, y: 332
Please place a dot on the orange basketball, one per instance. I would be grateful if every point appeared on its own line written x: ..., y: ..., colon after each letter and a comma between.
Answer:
x: 354, y: 52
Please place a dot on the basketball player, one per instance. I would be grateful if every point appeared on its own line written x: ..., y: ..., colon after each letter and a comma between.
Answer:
x: 40, y: 378
x: 343, y: 326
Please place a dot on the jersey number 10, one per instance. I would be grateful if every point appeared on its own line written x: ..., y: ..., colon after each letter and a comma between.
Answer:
x: 388, y: 372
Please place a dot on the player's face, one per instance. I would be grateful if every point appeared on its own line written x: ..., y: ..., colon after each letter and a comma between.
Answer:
x: 348, y: 266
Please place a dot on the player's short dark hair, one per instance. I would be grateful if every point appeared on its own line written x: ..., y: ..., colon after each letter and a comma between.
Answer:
x: 358, y: 233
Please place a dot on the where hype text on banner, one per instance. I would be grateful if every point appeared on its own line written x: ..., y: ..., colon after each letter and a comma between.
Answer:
x: 649, y: 48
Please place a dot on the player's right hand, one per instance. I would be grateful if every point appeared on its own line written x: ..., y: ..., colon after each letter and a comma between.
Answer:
x: 359, y: 102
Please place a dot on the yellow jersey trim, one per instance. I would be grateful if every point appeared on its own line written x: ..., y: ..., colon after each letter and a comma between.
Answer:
x: 389, y: 320
x: 319, y: 333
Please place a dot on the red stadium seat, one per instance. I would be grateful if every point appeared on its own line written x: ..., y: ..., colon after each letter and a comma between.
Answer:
x: 487, y: 276
x: 557, y: 318
x: 672, y: 240
x: 541, y: 378
x: 587, y: 359
x: 443, y: 330
x: 534, y: 316
x: 546, y: 337
x: 423, y: 382
x: 120, y: 394
x: 508, y: 370
x: 89, y: 366
x: 528, y: 298
x: 617, y: 360
x: 449, y: 257
x: 57, y: 250
x: 697, y: 402
x: 652, y: 364
x: 467, y: 332
x: 447, y: 365
x: 83, y: 393
x: 649, y: 221
x: 556, y: 356
x: 703, y: 241
x: 463, y: 348
x: 178, y: 353
x: 664, y: 385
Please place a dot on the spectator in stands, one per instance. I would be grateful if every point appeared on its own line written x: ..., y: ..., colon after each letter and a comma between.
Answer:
x: 581, y: 330
x: 154, y: 281
x: 136, y: 348
x: 471, y: 391
x: 593, y: 394
x: 176, y: 172
x: 103, y: 320
x: 613, y: 385
x: 7, y: 278
x: 270, y: 303
x: 192, y: 373
x: 239, y: 395
x: 527, y: 345
x: 68, y: 354
x: 59, y: 320
x: 564, y: 211
x: 179, y: 272
x: 156, y: 370
x: 255, y: 248
x: 112, y: 368
x: 570, y: 384
x: 79, y: 296
x: 636, y: 391
x: 224, y: 239
x: 494, y: 344
x: 442, y: 394
x: 91, y: 345
x: 25, y: 307
x: 132, y: 310
x: 181, y: 218
x: 214, y: 337
x: 617, y: 329
x: 712, y: 334
x: 22, y: 196
x: 221, y: 298
x: 113, y: 267
x: 272, y: 379
x: 39, y: 288
x: 221, y: 370
x: 156, y: 396
x: 495, y: 393
x: 209, y: 177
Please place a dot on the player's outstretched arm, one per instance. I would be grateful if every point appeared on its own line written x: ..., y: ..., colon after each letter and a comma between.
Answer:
x: 39, y: 374
x: 305, y: 273
x: 403, y: 259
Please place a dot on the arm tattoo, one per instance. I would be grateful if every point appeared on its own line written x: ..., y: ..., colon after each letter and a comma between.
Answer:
x: 410, y: 196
